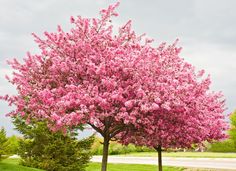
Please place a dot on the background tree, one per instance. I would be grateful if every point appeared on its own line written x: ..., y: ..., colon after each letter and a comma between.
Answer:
x: 13, y: 144
x: 232, y: 131
x: 180, y: 110
x: 52, y: 151
x: 3, y: 144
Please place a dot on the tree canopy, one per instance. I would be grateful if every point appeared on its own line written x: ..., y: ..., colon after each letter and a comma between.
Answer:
x: 118, y: 83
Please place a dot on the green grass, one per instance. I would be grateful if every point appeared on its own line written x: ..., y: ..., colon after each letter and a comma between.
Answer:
x: 184, y: 154
x: 13, y: 165
x: 130, y: 167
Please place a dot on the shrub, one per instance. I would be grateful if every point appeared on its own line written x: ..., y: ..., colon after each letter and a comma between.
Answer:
x: 44, y: 149
x: 224, y: 146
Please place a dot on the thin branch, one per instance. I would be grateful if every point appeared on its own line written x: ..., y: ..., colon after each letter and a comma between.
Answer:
x: 97, y: 129
x: 117, y: 132
x: 113, y: 139
x: 117, y: 127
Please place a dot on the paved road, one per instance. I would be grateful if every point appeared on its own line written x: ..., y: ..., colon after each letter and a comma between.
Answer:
x: 211, y: 163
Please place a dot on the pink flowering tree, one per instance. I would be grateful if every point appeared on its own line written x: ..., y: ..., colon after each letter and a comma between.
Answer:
x: 118, y: 84
x: 88, y: 75
x: 178, y: 110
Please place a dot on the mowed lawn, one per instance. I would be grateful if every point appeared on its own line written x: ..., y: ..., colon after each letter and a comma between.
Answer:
x: 130, y: 167
x: 184, y: 154
x: 13, y: 165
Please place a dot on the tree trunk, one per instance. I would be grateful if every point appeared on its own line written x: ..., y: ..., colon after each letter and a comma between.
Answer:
x: 158, y: 149
x: 105, y: 153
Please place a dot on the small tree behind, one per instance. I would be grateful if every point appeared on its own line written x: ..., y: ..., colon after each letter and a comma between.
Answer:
x: 13, y: 144
x: 232, y: 131
x: 3, y: 144
x: 180, y: 110
x: 44, y: 149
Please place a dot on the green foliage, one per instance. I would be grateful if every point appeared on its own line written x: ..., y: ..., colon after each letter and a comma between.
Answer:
x: 44, y: 149
x: 233, y: 119
x: 12, y: 144
x: 117, y: 148
x: 3, y: 144
x: 232, y: 131
x: 223, y: 146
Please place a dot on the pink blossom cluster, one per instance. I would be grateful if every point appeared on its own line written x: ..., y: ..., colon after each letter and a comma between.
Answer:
x: 120, y: 86
x: 178, y: 109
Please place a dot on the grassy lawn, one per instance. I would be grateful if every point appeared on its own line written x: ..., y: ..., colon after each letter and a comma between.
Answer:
x: 13, y: 165
x: 130, y: 167
x: 184, y: 154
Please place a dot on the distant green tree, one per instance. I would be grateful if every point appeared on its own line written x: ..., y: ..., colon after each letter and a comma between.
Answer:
x: 3, y: 144
x: 13, y: 144
x: 44, y: 149
x: 232, y: 131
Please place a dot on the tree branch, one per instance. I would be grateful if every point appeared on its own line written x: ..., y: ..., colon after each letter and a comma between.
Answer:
x: 117, y: 131
x: 96, y: 129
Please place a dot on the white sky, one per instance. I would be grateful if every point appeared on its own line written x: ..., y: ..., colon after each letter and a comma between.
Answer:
x: 206, y: 29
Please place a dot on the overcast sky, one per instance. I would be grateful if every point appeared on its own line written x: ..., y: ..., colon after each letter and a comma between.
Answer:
x: 206, y: 29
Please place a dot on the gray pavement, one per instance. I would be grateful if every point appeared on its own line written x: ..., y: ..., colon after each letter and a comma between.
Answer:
x: 211, y: 163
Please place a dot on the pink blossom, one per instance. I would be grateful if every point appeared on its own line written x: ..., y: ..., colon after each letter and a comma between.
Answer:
x: 118, y: 85
x: 129, y: 104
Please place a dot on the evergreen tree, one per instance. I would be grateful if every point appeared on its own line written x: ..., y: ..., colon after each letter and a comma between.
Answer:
x: 3, y: 144
x: 52, y: 151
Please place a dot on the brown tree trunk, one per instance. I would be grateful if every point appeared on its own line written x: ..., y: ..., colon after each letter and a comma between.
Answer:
x: 105, y: 153
x: 158, y: 149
